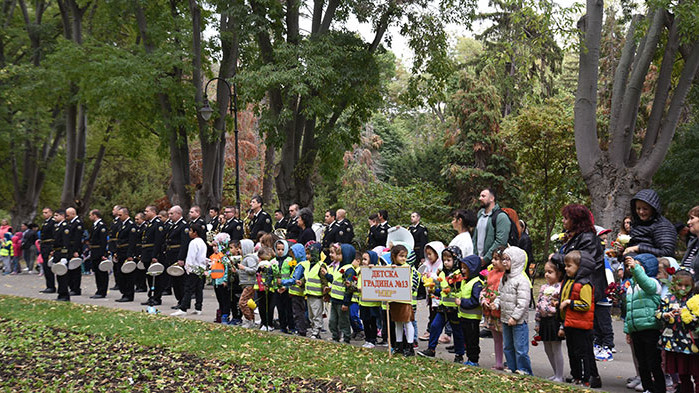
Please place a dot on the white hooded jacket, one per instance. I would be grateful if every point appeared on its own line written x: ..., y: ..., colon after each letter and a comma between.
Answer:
x: 515, y: 288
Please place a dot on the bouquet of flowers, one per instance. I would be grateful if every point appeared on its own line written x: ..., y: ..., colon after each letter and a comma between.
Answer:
x: 615, y: 292
x: 351, y: 284
x: 268, y: 275
x: 690, y: 313
x: 536, y: 340
x: 618, y: 244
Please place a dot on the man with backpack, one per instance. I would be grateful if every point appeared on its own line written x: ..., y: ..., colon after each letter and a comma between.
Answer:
x: 493, y: 229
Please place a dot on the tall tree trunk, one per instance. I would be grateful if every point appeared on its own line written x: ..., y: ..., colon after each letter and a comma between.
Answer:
x: 614, y: 176
x: 268, y: 176
x: 176, y: 134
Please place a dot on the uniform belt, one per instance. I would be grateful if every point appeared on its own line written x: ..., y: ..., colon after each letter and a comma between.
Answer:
x: 95, y: 246
x: 173, y: 246
x: 122, y: 245
x: 147, y: 245
x: 47, y: 241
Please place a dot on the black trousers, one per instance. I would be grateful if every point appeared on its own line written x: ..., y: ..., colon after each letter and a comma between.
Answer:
x: 298, y: 309
x: 63, y: 285
x: 124, y: 281
x: 580, y: 354
x: 645, y: 346
x: 48, y: 274
x: 286, y: 318
x: 265, y: 304
x: 369, y: 316
x: 117, y: 272
x: 75, y: 279
x: 223, y: 295
x: 162, y: 282
x: 471, y: 330
x: 604, y: 334
x: 140, y: 279
x: 193, y: 286
x: 101, y: 279
x: 236, y: 291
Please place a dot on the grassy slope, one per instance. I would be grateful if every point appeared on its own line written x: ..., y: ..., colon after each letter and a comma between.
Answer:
x: 290, y: 356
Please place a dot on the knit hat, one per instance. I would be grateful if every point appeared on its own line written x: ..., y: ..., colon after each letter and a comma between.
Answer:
x: 649, y: 263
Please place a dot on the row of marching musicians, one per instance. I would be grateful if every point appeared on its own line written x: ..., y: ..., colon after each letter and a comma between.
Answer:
x: 136, y: 250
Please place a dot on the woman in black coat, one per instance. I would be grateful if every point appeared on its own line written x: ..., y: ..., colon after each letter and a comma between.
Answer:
x: 305, y: 222
x: 651, y: 233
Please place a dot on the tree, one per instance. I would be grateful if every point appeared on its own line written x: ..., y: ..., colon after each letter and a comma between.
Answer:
x: 632, y: 155
x: 542, y: 142
x: 476, y: 156
x: 320, y: 87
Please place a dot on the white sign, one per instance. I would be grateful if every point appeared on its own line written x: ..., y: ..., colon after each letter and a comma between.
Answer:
x: 386, y: 283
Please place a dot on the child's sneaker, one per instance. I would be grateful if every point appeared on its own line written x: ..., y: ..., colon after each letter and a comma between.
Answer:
x: 428, y: 353
x: 425, y: 336
x: 458, y: 358
x: 602, y: 354
x: 472, y: 364
x: 635, y: 381
x: 368, y: 345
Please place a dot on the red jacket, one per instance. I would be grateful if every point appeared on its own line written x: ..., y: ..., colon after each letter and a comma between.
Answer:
x: 580, y: 313
x: 17, y: 244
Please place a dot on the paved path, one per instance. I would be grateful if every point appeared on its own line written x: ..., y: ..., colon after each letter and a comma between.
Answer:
x: 613, y: 373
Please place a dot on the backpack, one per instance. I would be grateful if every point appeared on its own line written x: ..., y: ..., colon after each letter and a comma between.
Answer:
x: 513, y: 238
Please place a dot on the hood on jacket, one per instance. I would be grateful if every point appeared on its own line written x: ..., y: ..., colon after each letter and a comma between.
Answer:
x: 348, y: 253
x: 8, y: 236
x: 286, y: 247
x: 518, y: 259
x: 299, y: 252
x: 473, y: 263
x: 650, y: 197
x: 437, y: 247
x: 386, y: 259
x: 649, y: 263
x: 247, y: 247
x: 455, y: 253
x: 313, y: 251
x: 373, y: 258
x: 587, y: 266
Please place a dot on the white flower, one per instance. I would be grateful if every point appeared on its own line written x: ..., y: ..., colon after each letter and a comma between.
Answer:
x: 222, y: 238
x: 550, y: 291
x: 624, y: 239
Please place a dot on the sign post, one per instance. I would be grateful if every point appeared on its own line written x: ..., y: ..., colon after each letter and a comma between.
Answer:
x: 387, y: 284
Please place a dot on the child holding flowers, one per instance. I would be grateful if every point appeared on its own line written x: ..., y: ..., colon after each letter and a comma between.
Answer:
x: 430, y: 272
x: 447, y: 290
x: 678, y: 322
x: 295, y: 284
x: 547, y: 323
x: 488, y: 295
x: 227, y: 251
x: 267, y: 281
x: 283, y: 303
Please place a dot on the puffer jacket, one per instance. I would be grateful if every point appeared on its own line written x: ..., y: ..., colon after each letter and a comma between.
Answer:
x: 643, y: 296
x: 250, y: 262
x: 656, y: 236
x: 588, y: 241
x: 515, y: 289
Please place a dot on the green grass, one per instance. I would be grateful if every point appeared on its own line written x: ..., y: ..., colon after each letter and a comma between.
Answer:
x: 276, y: 356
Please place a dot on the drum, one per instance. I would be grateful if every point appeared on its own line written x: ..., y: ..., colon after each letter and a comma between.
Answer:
x: 140, y: 266
x: 128, y: 267
x: 60, y: 268
x: 106, y: 265
x: 74, y: 263
x: 156, y: 269
x: 175, y: 270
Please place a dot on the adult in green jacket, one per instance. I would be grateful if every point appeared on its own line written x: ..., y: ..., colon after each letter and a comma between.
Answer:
x: 486, y: 236
x: 641, y: 326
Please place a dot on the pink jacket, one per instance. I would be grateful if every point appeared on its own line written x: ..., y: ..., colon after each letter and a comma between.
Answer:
x: 17, y: 244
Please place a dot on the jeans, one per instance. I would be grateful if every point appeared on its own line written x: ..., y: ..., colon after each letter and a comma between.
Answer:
x: 438, y: 323
x: 355, y: 320
x: 516, y: 347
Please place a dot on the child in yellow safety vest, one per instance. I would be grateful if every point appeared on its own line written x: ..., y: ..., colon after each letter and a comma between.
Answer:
x: 343, y: 271
x: 283, y: 303
x: 470, y: 311
x: 370, y: 312
x: 295, y: 284
x: 447, y: 289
